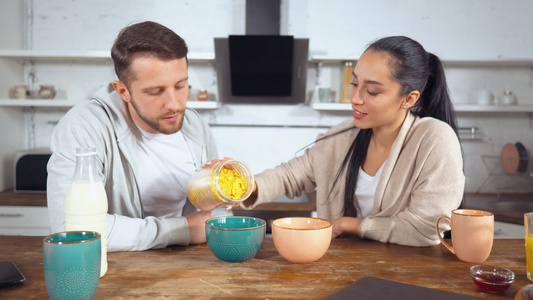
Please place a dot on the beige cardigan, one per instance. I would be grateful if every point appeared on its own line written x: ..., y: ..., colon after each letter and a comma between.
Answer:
x: 422, y: 179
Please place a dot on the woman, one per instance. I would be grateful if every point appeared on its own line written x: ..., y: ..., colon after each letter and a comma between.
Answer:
x: 389, y: 173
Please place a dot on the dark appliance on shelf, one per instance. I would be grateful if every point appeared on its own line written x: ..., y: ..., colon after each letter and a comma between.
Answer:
x: 30, y: 171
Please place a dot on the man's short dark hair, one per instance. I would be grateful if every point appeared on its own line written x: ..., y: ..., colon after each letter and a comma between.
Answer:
x: 148, y: 39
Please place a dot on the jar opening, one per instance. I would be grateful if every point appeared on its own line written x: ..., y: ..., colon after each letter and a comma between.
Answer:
x: 240, y: 169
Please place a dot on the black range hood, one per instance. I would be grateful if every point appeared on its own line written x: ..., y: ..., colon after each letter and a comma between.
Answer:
x: 263, y: 17
x: 262, y: 66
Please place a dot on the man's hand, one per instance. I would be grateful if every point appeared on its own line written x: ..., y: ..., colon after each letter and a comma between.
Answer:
x: 196, y: 222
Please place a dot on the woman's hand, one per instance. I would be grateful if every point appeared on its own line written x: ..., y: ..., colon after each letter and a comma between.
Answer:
x: 232, y: 206
x: 345, y: 225
x: 214, y: 161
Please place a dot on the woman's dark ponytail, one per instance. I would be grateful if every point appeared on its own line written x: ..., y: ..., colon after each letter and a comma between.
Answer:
x: 435, y: 99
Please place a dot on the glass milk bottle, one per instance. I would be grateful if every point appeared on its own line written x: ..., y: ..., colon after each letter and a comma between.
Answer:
x: 86, y: 201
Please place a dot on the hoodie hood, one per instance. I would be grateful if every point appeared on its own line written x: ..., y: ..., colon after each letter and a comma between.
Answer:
x: 116, y: 109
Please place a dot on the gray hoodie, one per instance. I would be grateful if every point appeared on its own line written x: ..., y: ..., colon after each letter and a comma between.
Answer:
x: 105, y: 124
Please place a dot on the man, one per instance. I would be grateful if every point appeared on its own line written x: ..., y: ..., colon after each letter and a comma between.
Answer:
x: 148, y: 144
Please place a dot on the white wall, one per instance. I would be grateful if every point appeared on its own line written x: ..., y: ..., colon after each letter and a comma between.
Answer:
x: 452, y: 29
x: 464, y: 29
x: 11, y: 120
x: 94, y: 25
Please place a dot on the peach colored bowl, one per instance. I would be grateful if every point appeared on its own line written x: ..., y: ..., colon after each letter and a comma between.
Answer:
x: 301, y: 239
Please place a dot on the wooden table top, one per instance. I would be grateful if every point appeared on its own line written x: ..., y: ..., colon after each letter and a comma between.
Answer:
x: 10, y: 198
x: 193, y: 272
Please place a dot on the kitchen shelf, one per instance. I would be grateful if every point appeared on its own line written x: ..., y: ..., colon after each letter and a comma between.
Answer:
x: 56, y: 55
x: 71, y: 102
x: 458, y: 108
x: 494, y: 108
x: 474, y: 62
x: 39, y: 102
x: 330, y: 59
x: 50, y: 54
x: 469, y: 134
x: 203, y: 104
x: 504, y: 62
x: 332, y: 106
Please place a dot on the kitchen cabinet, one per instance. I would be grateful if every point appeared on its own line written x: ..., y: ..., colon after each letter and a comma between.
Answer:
x: 503, y: 230
x: 23, y: 214
x: 24, y: 220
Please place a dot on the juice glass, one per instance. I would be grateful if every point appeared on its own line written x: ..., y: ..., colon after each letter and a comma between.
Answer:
x: 528, y: 223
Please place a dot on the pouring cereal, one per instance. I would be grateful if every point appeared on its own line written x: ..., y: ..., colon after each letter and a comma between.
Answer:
x: 226, y: 182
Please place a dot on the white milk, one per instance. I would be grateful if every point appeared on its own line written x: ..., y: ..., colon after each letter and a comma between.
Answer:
x: 86, y: 209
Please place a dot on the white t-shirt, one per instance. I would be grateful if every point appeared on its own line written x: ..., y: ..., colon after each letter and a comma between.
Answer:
x: 165, y: 165
x: 365, y: 191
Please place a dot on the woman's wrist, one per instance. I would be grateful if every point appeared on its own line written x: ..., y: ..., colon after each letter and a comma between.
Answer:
x: 351, y: 225
x: 252, y: 198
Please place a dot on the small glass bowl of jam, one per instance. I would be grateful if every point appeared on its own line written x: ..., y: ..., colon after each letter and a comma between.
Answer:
x: 492, y: 279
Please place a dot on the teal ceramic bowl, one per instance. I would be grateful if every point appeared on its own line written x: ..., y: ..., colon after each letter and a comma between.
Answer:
x: 235, y: 239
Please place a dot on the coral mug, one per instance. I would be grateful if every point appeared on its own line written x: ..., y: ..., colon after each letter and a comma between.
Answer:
x: 472, y: 234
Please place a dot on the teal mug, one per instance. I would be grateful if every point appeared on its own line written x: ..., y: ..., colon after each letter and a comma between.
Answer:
x: 72, y: 264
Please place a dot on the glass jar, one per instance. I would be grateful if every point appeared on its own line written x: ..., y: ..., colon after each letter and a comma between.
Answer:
x: 346, y: 86
x: 206, y: 191
x: 202, y: 96
x: 508, y: 98
x: 21, y: 92
x: 47, y: 92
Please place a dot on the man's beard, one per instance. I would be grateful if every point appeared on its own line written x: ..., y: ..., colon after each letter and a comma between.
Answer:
x: 156, y: 122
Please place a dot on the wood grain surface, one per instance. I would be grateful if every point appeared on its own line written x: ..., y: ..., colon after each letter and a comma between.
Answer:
x: 10, y: 198
x: 193, y: 272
